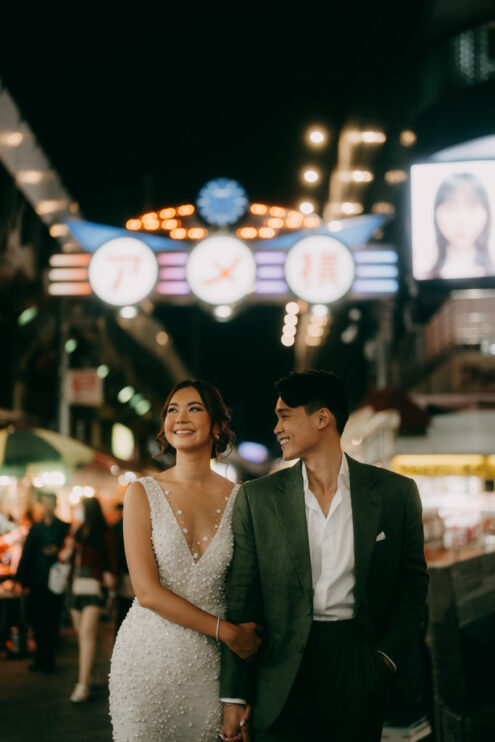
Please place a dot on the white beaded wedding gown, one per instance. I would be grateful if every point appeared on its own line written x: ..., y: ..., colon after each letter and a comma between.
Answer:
x: 164, y: 678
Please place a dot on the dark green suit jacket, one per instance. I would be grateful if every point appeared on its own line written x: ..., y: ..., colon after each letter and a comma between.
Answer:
x: 271, y: 582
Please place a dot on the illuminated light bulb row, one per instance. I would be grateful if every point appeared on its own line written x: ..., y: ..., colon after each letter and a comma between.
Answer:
x: 383, y: 207
x: 351, y: 208
x: 318, y: 326
x: 260, y: 209
x: 59, y: 230
x: 356, y: 176
x: 394, y: 177
x: 289, y: 329
x: 11, y: 138
x: 49, y: 479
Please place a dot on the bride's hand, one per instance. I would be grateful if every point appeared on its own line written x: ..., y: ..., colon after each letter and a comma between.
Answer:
x: 244, y: 639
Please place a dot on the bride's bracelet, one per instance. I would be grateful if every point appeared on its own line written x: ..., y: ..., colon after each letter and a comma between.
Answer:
x: 218, y: 629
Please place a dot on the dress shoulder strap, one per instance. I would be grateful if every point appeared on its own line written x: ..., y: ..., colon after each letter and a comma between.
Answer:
x: 153, y: 493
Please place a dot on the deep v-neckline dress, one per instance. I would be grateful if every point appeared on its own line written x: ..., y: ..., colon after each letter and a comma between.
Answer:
x: 164, y: 678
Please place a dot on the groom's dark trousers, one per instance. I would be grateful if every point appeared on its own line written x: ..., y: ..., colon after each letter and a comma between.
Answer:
x: 340, y: 690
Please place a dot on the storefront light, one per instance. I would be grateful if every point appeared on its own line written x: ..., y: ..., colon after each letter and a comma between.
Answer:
x: 125, y: 394
x: 102, y: 371
x: 129, y: 312
x: 27, y: 316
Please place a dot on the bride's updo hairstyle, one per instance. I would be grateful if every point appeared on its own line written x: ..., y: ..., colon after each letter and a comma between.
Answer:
x: 220, y: 416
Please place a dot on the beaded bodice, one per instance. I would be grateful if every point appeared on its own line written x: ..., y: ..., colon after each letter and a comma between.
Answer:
x: 202, y: 581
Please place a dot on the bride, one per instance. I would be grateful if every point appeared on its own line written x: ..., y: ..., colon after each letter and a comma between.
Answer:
x: 178, y: 541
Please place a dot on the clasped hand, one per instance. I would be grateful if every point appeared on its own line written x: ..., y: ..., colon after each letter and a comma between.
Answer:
x: 245, y: 640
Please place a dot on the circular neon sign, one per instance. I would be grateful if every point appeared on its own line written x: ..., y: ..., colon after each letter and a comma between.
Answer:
x: 319, y: 269
x: 221, y: 270
x: 123, y: 271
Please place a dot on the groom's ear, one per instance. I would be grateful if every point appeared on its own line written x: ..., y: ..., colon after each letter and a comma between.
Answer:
x: 324, y: 418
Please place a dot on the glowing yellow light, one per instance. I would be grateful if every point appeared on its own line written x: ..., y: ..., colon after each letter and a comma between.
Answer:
x: 351, y: 207
x: 247, y: 233
x: 316, y: 136
x: 59, y: 230
x: 178, y: 234
x: 275, y: 222
x: 11, y: 138
x: 291, y: 320
x: 315, y: 331
x: 185, y: 210
x: 311, y: 222
x: 310, y: 340
x: 149, y: 216
x: 393, y: 177
x: 171, y: 223
x: 373, y: 137
x: 277, y: 211
x: 49, y: 206
x: 292, y: 307
x: 258, y: 209
x: 362, y: 176
x: 287, y: 340
x: 133, y: 224
x: 311, y: 176
x: 407, y: 138
x: 167, y: 213
x: 33, y: 177
x: 383, y: 207
x: 296, y: 215
x: 161, y: 337
x: 151, y: 224
x: 266, y: 233
x: 196, y: 233
x: 306, y: 207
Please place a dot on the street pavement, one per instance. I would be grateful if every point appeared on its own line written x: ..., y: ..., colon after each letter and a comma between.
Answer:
x: 35, y: 707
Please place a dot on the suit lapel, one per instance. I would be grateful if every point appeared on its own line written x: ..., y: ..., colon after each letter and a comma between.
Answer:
x: 291, y: 511
x: 366, y: 509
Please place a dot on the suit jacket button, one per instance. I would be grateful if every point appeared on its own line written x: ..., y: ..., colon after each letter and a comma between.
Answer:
x: 309, y: 611
x: 300, y: 648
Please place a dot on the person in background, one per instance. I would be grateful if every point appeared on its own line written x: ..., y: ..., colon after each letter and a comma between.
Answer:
x: 124, y: 592
x: 42, y: 545
x: 91, y: 547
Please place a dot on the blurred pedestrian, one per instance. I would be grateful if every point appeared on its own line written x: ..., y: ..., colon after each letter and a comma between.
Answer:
x: 42, y: 545
x: 124, y: 592
x: 92, y: 550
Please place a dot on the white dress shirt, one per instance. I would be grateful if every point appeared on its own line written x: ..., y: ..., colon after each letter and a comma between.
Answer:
x: 331, y: 547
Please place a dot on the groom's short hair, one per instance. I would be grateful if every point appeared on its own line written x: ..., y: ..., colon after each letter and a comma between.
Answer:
x: 314, y: 389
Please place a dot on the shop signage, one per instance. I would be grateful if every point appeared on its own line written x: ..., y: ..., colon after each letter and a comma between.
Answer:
x: 221, y: 270
x: 123, y: 271
x: 84, y: 387
x: 319, y: 269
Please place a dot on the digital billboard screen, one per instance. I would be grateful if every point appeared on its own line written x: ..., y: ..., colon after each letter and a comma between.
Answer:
x: 452, y: 205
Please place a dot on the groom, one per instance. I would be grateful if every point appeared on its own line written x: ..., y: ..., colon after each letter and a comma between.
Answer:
x: 329, y: 559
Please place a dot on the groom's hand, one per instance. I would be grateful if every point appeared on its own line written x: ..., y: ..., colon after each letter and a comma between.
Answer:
x: 232, y: 717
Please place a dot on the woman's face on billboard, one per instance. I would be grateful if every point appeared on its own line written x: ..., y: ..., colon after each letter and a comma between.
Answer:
x: 461, y: 218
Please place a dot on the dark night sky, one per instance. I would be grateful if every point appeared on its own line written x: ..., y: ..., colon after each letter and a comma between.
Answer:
x: 139, y: 105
